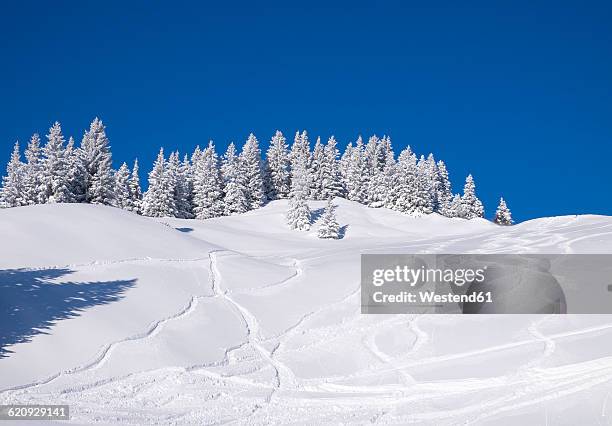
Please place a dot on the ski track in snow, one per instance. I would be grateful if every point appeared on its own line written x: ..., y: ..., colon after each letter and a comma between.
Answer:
x: 531, y: 384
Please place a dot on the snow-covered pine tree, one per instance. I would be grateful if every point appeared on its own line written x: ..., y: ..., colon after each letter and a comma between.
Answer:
x: 13, y: 183
x: 158, y: 200
x: 178, y: 179
x: 32, y: 171
x: 503, y: 215
x: 208, y: 185
x: 55, y: 171
x: 332, y: 178
x: 277, y: 164
x: 443, y: 186
x: 235, y: 200
x: 298, y: 215
x: 405, y: 187
x: 252, y: 170
x: 344, y: 165
x: 184, y: 190
x: 299, y: 157
x: 318, y: 172
x: 122, y: 189
x: 471, y: 206
x: 97, y: 162
x: 454, y: 208
x: 135, y: 202
x: 329, y: 224
x: 76, y: 173
x: 370, y: 165
x: 357, y: 180
x: 424, y: 201
x: 380, y: 169
x: 434, y: 181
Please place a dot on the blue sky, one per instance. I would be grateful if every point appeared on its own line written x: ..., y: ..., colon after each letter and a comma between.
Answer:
x: 517, y: 93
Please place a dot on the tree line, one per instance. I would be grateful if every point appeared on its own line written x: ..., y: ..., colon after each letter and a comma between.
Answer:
x: 203, y: 185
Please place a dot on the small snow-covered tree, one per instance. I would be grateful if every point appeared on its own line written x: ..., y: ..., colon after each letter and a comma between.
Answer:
x: 277, y: 164
x: 207, y: 185
x: 122, y: 188
x: 298, y: 215
x: 252, y: 170
x: 470, y: 207
x: 158, y: 200
x: 135, y: 201
x: 503, y: 215
x: 13, y: 183
x: 55, y: 172
x: 97, y: 163
x: 235, y: 200
x: 32, y: 171
x: 329, y: 225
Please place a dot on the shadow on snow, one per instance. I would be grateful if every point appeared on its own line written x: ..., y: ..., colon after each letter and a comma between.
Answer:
x: 30, y: 302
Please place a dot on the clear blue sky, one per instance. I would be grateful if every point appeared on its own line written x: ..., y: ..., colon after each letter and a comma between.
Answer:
x: 517, y: 93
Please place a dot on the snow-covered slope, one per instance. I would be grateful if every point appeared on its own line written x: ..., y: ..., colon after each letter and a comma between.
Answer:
x: 138, y: 320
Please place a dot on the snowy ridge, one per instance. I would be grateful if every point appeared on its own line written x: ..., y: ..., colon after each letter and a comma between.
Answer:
x: 240, y: 319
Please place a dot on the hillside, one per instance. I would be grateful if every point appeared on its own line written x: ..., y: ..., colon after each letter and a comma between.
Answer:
x: 238, y: 318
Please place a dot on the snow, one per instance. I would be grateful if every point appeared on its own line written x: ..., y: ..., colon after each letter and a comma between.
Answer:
x: 240, y: 319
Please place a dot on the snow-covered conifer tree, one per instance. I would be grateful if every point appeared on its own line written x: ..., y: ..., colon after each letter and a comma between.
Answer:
x: 356, y: 179
x: 424, y: 199
x: 184, y: 190
x: 277, y: 163
x: 406, y: 189
x: 208, y: 185
x: 298, y: 215
x: 158, y: 200
x: 135, y: 202
x: 443, y: 186
x: 252, y: 170
x: 344, y: 165
x: 318, y: 171
x: 32, y: 171
x: 55, y: 172
x: 329, y: 225
x: 13, y: 183
x: 471, y: 206
x: 122, y: 189
x: 235, y: 200
x: 178, y: 176
x: 454, y: 208
x: 503, y: 215
x: 332, y: 178
x: 76, y: 173
x: 97, y: 162
x: 380, y: 165
x: 299, y: 157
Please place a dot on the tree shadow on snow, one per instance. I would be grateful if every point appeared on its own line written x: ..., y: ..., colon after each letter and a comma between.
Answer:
x: 184, y: 229
x: 30, y: 302
x: 342, y: 232
x: 316, y: 214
